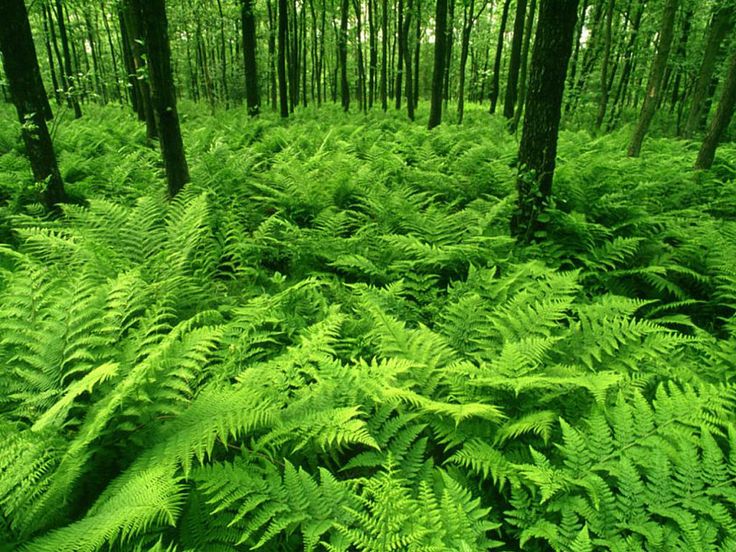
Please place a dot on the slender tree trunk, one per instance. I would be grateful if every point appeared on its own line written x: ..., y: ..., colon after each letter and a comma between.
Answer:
x: 538, y: 148
x: 407, y: 60
x: 576, y: 51
x: 654, y: 85
x: 607, y: 39
x: 29, y: 97
x: 449, y: 26
x: 499, y: 51
x: 721, y: 119
x: 113, y: 56
x: 223, y: 55
x: 417, y: 51
x: 49, y: 55
x: 361, y: 88
x: 440, y: 57
x: 283, y: 27
x: 512, y: 84
x: 464, y: 48
x: 272, y: 54
x: 721, y: 25
x: 69, y: 71
x: 401, y: 44
x: 343, y: 49
x: 373, y: 53
x: 528, y: 27
x: 163, y: 94
x: 629, y: 58
x: 248, y: 23
x: 384, y: 60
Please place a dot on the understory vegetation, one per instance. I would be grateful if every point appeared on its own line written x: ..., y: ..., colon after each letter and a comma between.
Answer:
x: 328, y: 341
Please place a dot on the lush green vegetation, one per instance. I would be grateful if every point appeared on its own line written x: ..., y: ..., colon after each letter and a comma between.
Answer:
x: 327, y: 341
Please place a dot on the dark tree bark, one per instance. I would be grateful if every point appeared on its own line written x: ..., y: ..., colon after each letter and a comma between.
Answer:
x: 272, y: 33
x: 499, y: 52
x: 417, y: 51
x: 132, y: 17
x: 629, y: 58
x: 512, y: 84
x: 407, y: 60
x: 373, y: 52
x: 449, y: 26
x: 607, y: 40
x: 283, y: 90
x: 68, y: 70
x: 469, y: 19
x: 49, y: 54
x: 343, y: 49
x: 654, y: 85
x: 248, y: 22
x: 163, y: 94
x: 721, y: 24
x: 528, y: 27
x: 384, y: 60
x: 538, y: 148
x: 401, y: 47
x: 721, y: 119
x: 440, y: 57
x: 29, y: 96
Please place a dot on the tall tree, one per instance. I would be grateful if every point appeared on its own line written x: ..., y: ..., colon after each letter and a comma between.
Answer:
x: 68, y: 69
x: 29, y: 96
x: 512, y: 83
x: 495, y: 80
x: 656, y: 74
x: 721, y: 119
x: 721, y: 23
x: 384, y: 60
x: 440, y: 56
x: 283, y: 37
x: 469, y: 19
x: 528, y: 27
x: 408, y: 73
x: 163, y: 94
x: 343, y: 49
x: 607, y: 40
x: 538, y: 147
x: 248, y: 23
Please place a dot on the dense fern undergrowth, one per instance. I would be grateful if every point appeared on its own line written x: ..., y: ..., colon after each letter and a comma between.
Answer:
x: 329, y: 342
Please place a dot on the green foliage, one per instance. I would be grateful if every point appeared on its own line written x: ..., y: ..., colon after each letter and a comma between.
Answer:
x: 328, y: 342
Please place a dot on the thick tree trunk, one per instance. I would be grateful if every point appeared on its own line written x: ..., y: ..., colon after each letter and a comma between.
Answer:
x: 722, y: 22
x: 283, y: 90
x: 163, y: 94
x: 721, y: 120
x: 29, y: 97
x: 512, y: 84
x: 528, y: 27
x: 654, y: 85
x: 440, y: 57
x: 248, y: 23
x: 497, y: 61
x: 538, y: 148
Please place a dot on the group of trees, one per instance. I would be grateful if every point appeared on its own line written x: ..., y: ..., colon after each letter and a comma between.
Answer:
x: 543, y: 60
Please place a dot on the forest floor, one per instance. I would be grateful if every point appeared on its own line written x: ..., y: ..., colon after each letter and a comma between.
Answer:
x: 350, y: 279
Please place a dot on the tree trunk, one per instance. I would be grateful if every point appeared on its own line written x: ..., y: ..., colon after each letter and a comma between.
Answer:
x: 361, y: 89
x: 343, y: 49
x: 722, y: 23
x: 373, y: 53
x: 163, y: 94
x: 464, y: 48
x: 440, y: 57
x: 721, y: 120
x: 407, y: 60
x: 528, y: 27
x: 417, y: 51
x: 384, y: 60
x: 538, y: 148
x: 629, y: 57
x: 49, y: 54
x: 449, y: 42
x: 512, y: 84
x: 29, y: 97
x: 248, y: 22
x: 654, y: 85
x: 71, y: 87
x: 607, y: 39
x: 499, y: 51
x: 400, y: 65
x: 283, y: 90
